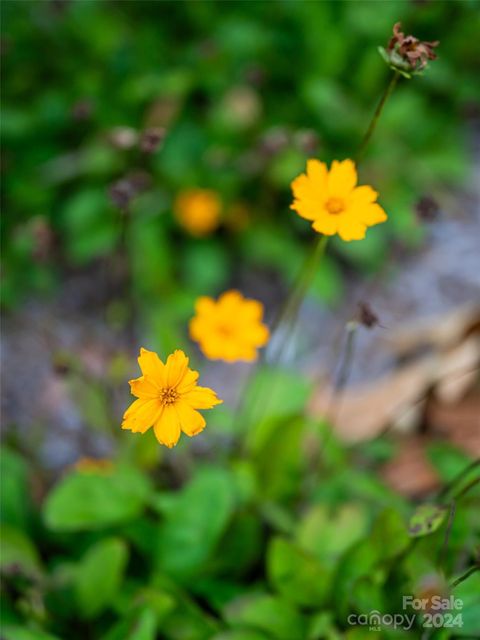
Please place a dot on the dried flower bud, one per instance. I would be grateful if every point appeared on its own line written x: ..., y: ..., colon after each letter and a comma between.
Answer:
x: 124, y: 190
x: 427, y: 209
x: 307, y: 140
x: 274, y: 140
x: 408, y: 54
x: 366, y: 315
x: 121, y: 192
x: 151, y: 139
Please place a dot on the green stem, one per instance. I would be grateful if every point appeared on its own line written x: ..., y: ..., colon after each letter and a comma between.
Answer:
x: 288, y: 315
x: 463, y: 577
x: 376, y: 116
x: 448, y: 487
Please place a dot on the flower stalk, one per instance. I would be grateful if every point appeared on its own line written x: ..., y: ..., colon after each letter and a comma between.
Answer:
x: 376, y: 116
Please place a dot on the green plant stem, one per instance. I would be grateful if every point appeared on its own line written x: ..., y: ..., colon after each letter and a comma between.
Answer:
x: 288, y: 315
x: 463, y: 577
x: 448, y: 487
x: 376, y: 116
x: 444, y: 548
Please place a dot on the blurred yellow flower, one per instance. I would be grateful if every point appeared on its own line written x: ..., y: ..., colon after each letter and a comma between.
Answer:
x: 93, y: 465
x: 230, y: 328
x: 333, y: 202
x: 198, y: 211
x: 168, y: 397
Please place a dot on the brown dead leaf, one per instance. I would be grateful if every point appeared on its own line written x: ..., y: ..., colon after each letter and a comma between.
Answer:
x: 364, y: 411
x: 410, y: 472
x: 441, y: 332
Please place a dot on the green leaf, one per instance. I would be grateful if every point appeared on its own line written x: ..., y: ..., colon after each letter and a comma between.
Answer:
x: 426, y: 519
x: 99, y: 575
x: 194, y: 522
x: 90, y: 226
x: 469, y: 592
x: 327, y: 534
x: 240, y: 634
x: 14, y: 493
x: 20, y: 632
x: 16, y: 549
x: 389, y: 534
x: 275, y: 616
x: 205, y: 266
x: 92, y: 501
x: 297, y: 575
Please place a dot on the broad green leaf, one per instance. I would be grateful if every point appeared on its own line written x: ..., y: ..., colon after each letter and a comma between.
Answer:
x: 426, y: 519
x: 297, y: 575
x: 194, y: 521
x: 280, y: 461
x: 17, y: 550
x: 92, y: 501
x: 389, y: 535
x: 99, y: 575
x: 358, y: 562
x: 321, y: 627
x: 273, y: 615
x: 327, y: 533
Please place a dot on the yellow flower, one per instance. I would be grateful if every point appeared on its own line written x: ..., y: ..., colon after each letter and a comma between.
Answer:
x: 198, y: 211
x: 230, y: 328
x: 93, y: 465
x: 168, y: 397
x: 333, y: 202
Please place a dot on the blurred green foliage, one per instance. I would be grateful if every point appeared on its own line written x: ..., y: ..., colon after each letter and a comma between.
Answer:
x: 246, y: 92
x: 271, y: 540
x: 230, y: 555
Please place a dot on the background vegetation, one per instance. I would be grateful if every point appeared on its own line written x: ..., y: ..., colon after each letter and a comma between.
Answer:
x: 266, y: 531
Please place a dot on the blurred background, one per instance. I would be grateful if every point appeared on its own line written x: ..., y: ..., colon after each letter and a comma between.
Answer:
x: 238, y: 96
x: 114, y: 111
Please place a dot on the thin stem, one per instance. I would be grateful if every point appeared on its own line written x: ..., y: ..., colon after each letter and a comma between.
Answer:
x: 339, y: 383
x: 467, y: 488
x: 376, y: 116
x: 288, y: 315
x: 448, y: 487
x: 463, y: 577
x: 443, y: 551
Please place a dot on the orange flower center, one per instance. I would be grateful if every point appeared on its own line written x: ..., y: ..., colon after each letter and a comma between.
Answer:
x: 225, y: 331
x: 335, y: 205
x: 168, y: 396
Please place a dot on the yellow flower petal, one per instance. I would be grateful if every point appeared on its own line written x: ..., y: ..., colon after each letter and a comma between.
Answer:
x: 176, y: 368
x: 318, y: 172
x: 351, y: 229
x: 144, y: 387
x: 141, y: 415
x: 342, y: 178
x: 191, y: 422
x: 167, y: 427
x: 326, y: 224
x: 204, y: 305
x: 188, y: 382
x: 372, y: 214
x: 363, y: 195
x: 201, y: 398
x: 151, y: 365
